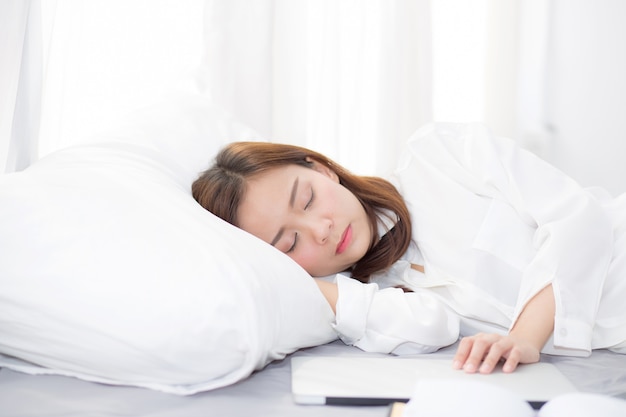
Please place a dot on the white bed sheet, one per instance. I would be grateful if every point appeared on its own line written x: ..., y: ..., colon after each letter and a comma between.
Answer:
x: 265, y: 393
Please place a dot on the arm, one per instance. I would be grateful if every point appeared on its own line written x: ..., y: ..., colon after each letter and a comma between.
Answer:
x: 330, y: 292
x: 523, y: 344
x: 573, y: 239
x: 389, y: 320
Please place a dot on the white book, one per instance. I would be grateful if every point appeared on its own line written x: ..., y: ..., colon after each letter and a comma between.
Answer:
x: 455, y: 398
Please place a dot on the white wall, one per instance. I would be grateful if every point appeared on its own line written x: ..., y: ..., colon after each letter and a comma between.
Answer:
x: 586, y: 91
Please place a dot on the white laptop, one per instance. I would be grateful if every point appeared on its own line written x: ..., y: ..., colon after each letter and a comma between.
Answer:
x: 359, y: 380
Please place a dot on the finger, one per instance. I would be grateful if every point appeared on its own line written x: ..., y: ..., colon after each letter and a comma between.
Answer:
x: 480, y: 347
x: 462, y: 352
x: 496, y: 352
x: 512, y: 361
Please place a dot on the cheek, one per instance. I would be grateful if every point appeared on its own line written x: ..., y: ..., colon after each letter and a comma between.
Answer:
x: 308, y: 259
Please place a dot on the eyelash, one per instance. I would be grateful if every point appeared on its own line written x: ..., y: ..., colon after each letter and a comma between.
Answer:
x: 293, y: 247
x: 295, y: 239
x: 308, y: 204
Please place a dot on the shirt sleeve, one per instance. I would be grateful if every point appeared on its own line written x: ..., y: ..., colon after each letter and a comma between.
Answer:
x: 573, y: 238
x: 392, y: 321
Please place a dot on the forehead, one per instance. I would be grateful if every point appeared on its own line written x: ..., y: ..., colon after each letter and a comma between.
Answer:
x: 274, y: 176
x: 275, y: 182
x: 266, y: 200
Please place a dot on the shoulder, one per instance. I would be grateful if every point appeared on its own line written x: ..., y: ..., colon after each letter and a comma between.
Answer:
x: 442, y: 147
x: 468, y: 145
x: 451, y: 137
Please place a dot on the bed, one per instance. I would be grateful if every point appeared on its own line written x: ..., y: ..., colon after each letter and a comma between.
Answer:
x: 119, y: 295
x: 264, y: 393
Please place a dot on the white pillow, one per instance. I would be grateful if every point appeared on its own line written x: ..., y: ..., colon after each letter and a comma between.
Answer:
x: 111, y: 272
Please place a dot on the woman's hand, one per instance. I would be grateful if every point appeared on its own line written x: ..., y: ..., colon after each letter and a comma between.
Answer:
x: 483, y: 351
x: 523, y: 344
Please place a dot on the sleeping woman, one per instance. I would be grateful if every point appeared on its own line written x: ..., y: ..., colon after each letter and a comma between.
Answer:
x: 471, y: 237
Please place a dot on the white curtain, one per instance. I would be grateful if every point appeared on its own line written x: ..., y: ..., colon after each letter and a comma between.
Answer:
x: 71, y: 68
x: 349, y: 78
x: 106, y: 58
x: 20, y: 79
x: 490, y: 65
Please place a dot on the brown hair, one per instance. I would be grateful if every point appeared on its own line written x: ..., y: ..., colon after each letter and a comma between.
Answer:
x: 221, y: 188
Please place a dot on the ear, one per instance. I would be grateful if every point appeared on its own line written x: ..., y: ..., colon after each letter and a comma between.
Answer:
x: 323, y: 169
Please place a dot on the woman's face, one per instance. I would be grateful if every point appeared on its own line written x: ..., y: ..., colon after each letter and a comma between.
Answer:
x: 308, y: 215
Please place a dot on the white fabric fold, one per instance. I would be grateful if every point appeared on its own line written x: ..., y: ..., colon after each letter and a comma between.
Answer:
x: 392, y: 321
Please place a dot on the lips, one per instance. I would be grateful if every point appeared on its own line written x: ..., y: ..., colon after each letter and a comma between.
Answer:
x: 346, y: 237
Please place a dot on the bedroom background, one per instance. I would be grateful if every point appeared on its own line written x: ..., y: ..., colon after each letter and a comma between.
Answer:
x: 349, y: 78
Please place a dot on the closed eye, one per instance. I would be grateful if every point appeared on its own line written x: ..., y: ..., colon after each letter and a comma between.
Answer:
x: 293, y: 246
x: 295, y: 238
x: 308, y: 204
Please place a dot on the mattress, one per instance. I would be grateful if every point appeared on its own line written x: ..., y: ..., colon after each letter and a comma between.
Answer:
x: 264, y: 393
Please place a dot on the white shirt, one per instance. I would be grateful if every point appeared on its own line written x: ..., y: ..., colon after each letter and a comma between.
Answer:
x: 492, y: 225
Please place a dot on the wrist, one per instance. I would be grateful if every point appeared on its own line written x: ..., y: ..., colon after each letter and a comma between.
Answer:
x: 536, y: 323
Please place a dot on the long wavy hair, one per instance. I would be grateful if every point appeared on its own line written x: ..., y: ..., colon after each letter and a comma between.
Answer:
x: 221, y: 188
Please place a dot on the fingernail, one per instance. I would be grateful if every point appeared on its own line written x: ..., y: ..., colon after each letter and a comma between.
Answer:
x: 456, y: 364
x: 469, y: 367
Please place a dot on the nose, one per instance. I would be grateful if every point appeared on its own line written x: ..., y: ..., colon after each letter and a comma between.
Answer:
x: 321, y: 229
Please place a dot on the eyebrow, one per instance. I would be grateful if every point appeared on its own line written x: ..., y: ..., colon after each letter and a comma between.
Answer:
x: 292, y: 199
